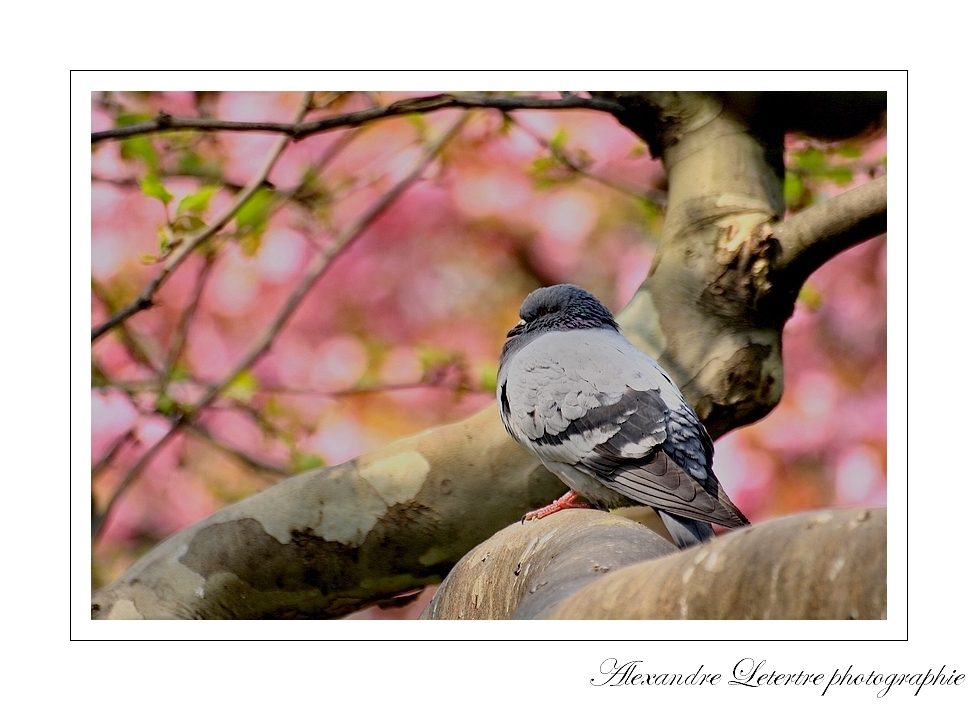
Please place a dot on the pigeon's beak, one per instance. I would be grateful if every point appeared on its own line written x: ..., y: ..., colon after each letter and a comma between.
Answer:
x: 517, y: 329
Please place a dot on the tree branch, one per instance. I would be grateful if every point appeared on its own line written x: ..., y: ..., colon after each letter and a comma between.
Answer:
x: 321, y: 261
x: 328, y: 542
x: 124, y: 439
x: 132, y: 345
x: 298, y: 130
x: 183, y: 325
x: 656, y: 197
x: 208, y: 437
x: 827, y: 564
x: 816, y: 234
x: 145, y: 298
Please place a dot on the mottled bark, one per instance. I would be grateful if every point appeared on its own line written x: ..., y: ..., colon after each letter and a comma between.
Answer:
x: 526, y: 571
x: 328, y: 542
x: 723, y: 282
x: 828, y: 564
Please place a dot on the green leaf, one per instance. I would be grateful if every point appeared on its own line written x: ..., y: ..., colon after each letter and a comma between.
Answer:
x: 559, y: 140
x: 549, y: 171
x: 251, y: 242
x: 140, y: 148
x: 165, y: 405
x: 650, y: 211
x: 794, y: 189
x: 839, y: 174
x: 188, y: 223
x: 243, y: 387
x: 253, y: 215
x: 810, y: 160
x: 151, y: 186
x: 487, y: 378
x: 164, y: 238
x: 420, y: 125
x: 179, y: 372
x: 99, y: 379
x: 810, y: 297
x: 198, y: 201
x: 302, y: 461
x: 190, y: 163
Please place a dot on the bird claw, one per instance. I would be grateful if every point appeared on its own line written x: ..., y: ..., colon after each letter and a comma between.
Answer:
x: 567, y: 501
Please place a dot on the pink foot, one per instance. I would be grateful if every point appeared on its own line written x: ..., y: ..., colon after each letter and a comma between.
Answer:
x: 567, y: 501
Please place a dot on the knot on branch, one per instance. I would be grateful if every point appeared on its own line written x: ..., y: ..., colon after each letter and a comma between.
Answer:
x: 743, y: 283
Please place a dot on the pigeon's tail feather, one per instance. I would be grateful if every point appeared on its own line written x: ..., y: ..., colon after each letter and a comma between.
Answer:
x: 685, y: 531
x: 662, y: 484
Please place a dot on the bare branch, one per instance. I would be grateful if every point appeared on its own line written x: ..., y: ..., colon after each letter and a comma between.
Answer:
x: 371, y: 390
x: 297, y: 131
x: 208, y: 437
x: 145, y: 298
x: 128, y: 436
x: 316, y: 269
x: 183, y: 327
x: 129, y: 341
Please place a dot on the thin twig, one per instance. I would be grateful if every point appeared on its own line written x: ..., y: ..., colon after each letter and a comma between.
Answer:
x: 134, y: 386
x: 318, y: 167
x: 656, y: 197
x: 296, y: 130
x: 129, y: 341
x: 145, y: 298
x: 263, y: 421
x: 110, y: 454
x: 368, y: 390
x: 183, y: 327
x: 208, y: 437
x: 171, y: 173
x: 282, y: 196
x: 314, y: 272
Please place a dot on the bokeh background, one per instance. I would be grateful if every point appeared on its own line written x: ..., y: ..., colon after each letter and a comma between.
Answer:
x: 403, y: 330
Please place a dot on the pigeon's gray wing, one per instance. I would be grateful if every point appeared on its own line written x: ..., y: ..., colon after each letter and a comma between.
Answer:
x: 591, y: 400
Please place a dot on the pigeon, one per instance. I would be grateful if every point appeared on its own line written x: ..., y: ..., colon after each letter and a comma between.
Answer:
x: 605, y: 418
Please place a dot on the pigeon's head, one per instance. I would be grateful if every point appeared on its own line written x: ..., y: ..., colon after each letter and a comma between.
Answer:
x: 563, y: 307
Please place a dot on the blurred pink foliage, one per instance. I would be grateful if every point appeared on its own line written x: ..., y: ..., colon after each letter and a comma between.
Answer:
x: 403, y: 332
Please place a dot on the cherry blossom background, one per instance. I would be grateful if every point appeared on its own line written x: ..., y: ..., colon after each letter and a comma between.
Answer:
x: 402, y: 331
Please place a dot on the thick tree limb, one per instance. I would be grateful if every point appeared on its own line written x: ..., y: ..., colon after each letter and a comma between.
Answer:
x: 827, y: 564
x: 526, y: 571
x: 721, y: 286
x: 299, y: 130
x: 330, y: 541
x: 818, y: 233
